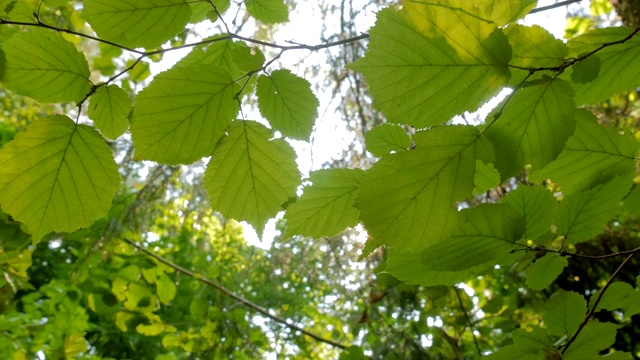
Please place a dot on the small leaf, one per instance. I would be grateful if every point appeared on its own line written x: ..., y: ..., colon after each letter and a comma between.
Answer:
x: 150, y: 330
x: 592, y: 156
x: 140, y: 23
x: 586, y: 70
x: 325, y: 207
x: 538, y: 207
x: 249, y: 176
x: 533, y: 47
x: 584, y: 215
x: 528, y: 344
x: 166, y: 288
x: 42, y: 65
x: 595, y: 336
x: 180, y: 116
x: 486, y: 178
x: 109, y: 108
x: 246, y: 58
x: 57, y: 176
x: 268, y: 11
x: 287, y: 101
x: 545, y: 270
x: 565, y: 311
x: 385, y: 138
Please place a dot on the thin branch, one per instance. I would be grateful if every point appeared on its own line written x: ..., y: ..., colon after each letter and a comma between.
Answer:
x: 580, y: 256
x: 232, y: 295
x: 466, y: 315
x: 553, y: 6
x: 593, y: 308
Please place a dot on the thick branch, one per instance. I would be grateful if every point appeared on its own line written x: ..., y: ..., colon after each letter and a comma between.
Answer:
x: 232, y: 295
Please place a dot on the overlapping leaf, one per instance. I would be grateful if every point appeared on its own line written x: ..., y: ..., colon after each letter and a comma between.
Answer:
x: 16, y: 10
x: 484, y: 233
x: 410, y: 267
x: 620, y: 295
x: 429, y: 62
x: 534, y: 127
x: 180, y: 116
x: 506, y: 11
x: 57, y: 176
x: 249, y: 176
x: 617, y: 72
x: 593, y: 155
x: 326, y: 207
x: 536, y: 205
x: 528, y: 345
x: 287, y: 101
x: 595, y: 336
x: 583, y: 215
x: 408, y: 199
x: 140, y: 23
x: 564, y: 312
x: 268, y: 11
x: 109, y: 108
x: 545, y: 270
x: 385, y: 138
x: 486, y: 178
x: 42, y: 65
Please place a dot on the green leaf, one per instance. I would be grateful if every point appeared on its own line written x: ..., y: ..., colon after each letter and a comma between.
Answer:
x: 528, y: 344
x: 150, y: 330
x: 621, y: 295
x: 287, y: 101
x: 483, y: 234
x: 408, y: 199
x: 353, y: 353
x: 42, y: 65
x: 140, y: 23
x: 506, y: 11
x: 429, y: 62
x: 536, y: 205
x: 533, y: 47
x: 616, y: 74
x: 486, y: 178
x: 180, y: 116
x: 592, y: 156
x: 584, y: 215
x: 166, y: 288
x: 411, y: 268
x: 250, y: 177
x: 586, y: 70
x: 246, y: 58
x: 57, y: 176
x: 109, y: 108
x: 325, y: 207
x: 268, y: 11
x: 534, y: 127
x: 595, y: 336
x: 385, y: 138
x: 16, y: 10
x: 565, y: 311
x: 545, y: 270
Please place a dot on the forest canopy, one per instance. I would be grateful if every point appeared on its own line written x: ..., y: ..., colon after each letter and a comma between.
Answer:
x: 481, y: 200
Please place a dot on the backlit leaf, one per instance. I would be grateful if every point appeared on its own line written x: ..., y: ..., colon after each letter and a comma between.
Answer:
x: 57, y: 176
x: 545, y: 270
x: 325, y: 207
x: 287, y: 101
x: 16, y: 10
x: 410, y: 267
x: 484, y: 233
x: 534, y: 127
x: 584, y: 215
x: 408, y: 199
x: 429, y: 62
x: 249, y: 176
x: 385, y: 138
x: 506, y: 11
x: 140, y: 23
x: 180, y: 116
x: 42, y: 65
x: 268, y: 11
x: 166, y: 288
x: 536, y: 205
x: 564, y: 312
x: 486, y: 178
x: 109, y: 108
x: 592, y: 156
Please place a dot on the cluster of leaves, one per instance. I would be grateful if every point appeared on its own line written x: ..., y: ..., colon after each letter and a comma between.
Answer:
x: 426, y: 63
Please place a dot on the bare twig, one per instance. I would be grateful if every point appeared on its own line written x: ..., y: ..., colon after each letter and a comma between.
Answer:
x: 466, y: 315
x: 229, y: 293
x: 553, y: 6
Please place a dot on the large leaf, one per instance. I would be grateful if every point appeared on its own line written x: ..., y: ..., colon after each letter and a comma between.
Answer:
x: 109, y: 108
x: 42, y: 65
x: 564, y: 313
x: 536, y: 205
x: 287, y: 101
x: 592, y: 156
x: 408, y: 199
x: 429, y: 62
x: 180, y: 116
x: 594, y: 337
x: 325, y: 207
x: 617, y: 70
x: 534, y: 126
x: 584, y: 215
x: 268, y: 11
x: 57, y: 176
x: 483, y: 234
x: 545, y: 270
x: 140, y: 23
x: 621, y: 295
x: 249, y: 176
x: 385, y: 138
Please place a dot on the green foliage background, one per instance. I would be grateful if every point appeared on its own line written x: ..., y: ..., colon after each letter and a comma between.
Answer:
x: 511, y: 236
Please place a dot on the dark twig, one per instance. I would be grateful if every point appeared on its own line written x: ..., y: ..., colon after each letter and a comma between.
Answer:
x: 227, y: 292
x: 553, y: 6
x: 466, y: 315
x: 593, y: 308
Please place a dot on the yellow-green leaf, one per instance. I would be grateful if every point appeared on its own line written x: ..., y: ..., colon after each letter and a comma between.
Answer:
x: 57, y: 176
x: 166, y: 288
x: 109, y: 108
x: 385, y: 138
